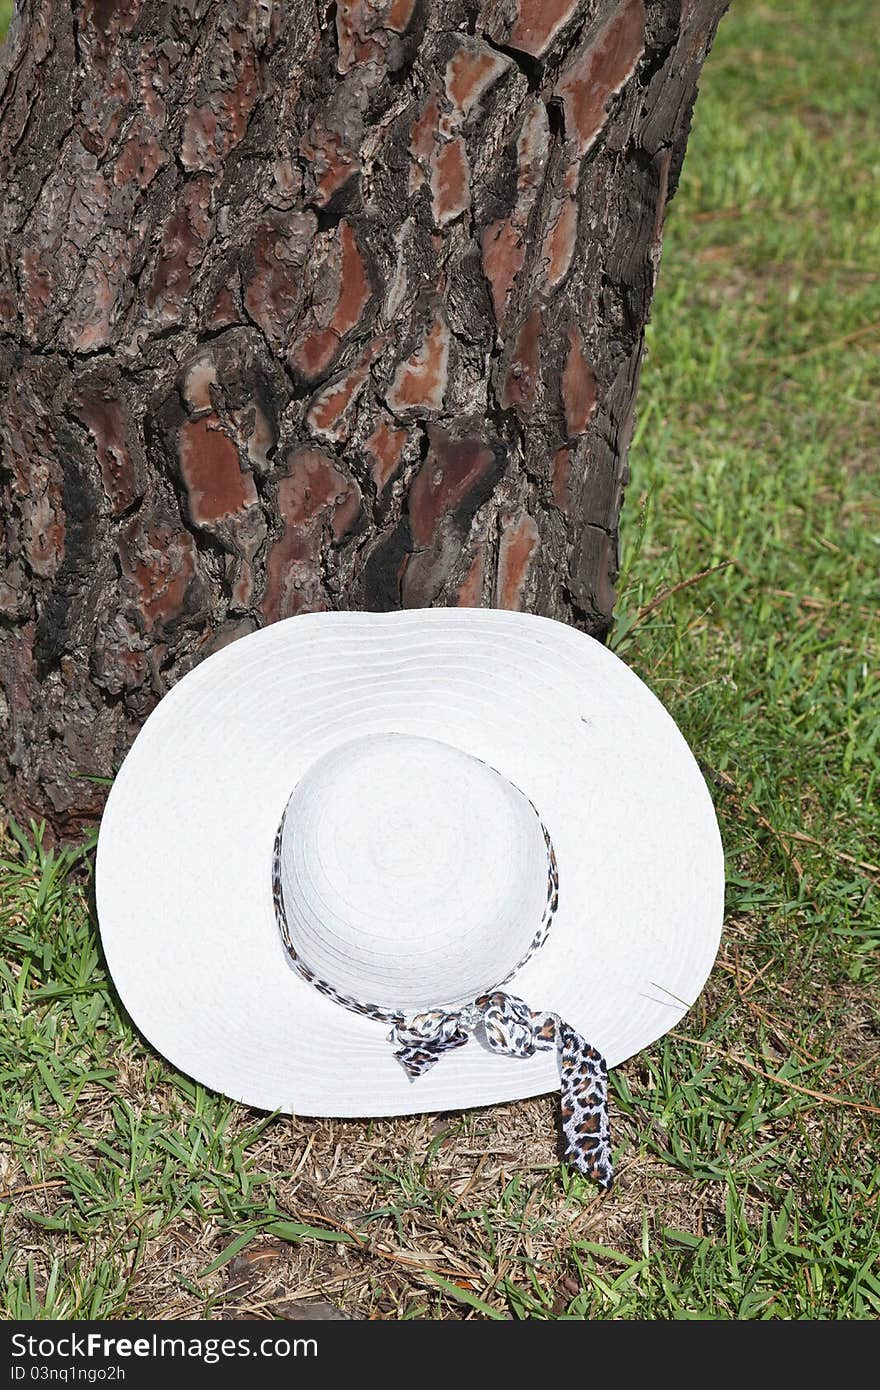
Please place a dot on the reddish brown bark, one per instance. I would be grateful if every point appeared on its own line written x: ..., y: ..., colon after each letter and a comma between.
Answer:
x: 308, y: 306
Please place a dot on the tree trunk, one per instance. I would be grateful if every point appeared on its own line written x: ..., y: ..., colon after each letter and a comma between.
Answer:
x: 311, y: 305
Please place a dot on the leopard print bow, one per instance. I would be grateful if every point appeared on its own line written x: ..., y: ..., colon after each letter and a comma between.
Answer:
x: 510, y: 1026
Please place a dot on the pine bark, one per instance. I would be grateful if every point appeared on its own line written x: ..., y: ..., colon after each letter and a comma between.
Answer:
x: 307, y: 306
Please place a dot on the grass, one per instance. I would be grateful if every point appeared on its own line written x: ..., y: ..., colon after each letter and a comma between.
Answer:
x: 747, y: 1141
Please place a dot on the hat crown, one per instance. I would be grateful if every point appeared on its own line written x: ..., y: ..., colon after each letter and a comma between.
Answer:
x: 413, y: 873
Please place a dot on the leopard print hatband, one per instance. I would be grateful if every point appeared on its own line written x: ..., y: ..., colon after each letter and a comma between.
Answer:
x: 503, y: 1023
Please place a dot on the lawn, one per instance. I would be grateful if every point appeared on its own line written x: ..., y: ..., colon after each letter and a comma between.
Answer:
x: 746, y: 1141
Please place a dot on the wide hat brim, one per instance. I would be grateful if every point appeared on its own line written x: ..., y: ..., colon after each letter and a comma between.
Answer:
x: 184, y: 855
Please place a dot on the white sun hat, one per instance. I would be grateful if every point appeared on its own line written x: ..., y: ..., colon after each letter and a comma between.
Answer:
x: 454, y: 823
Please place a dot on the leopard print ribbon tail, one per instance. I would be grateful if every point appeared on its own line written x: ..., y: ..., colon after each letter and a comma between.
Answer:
x: 585, y: 1123
x: 509, y: 1026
